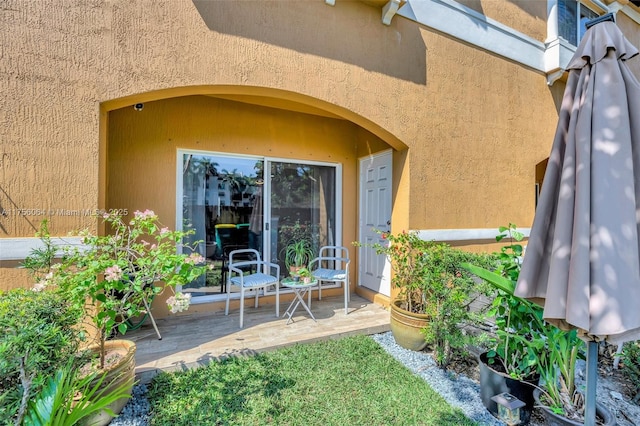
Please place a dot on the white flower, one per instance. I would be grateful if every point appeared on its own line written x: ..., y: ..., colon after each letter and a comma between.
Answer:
x: 180, y: 302
x: 194, y: 259
x: 144, y: 215
x: 40, y: 285
x: 113, y: 273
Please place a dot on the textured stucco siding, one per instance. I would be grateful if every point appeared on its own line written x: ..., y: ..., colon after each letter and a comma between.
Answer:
x: 475, y: 124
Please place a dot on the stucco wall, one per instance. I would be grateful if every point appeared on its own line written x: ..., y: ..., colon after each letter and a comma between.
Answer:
x: 489, y: 124
x: 526, y: 16
x: 475, y: 124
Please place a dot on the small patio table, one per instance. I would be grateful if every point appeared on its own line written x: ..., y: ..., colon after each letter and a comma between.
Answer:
x: 299, y: 288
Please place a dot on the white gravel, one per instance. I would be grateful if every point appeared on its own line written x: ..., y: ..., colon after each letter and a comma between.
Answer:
x: 459, y: 391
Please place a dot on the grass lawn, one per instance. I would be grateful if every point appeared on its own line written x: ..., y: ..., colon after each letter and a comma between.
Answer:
x: 351, y: 381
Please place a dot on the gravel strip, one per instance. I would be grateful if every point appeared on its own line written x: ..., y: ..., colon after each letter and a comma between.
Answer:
x: 136, y: 412
x: 459, y: 391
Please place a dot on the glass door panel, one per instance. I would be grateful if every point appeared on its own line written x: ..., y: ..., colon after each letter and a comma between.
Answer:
x: 222, y: 207
x: 302, y: 205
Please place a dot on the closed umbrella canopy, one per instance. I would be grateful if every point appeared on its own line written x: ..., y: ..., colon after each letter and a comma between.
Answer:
x: 582, y: 261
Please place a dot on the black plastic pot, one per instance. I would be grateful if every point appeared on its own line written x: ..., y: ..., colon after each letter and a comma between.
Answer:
x: 493, y: 382
x: 553, y: 419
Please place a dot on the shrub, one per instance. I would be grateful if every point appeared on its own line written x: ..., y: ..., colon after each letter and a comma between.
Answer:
x: 38, y: 335
x: 450, y: 291
x: 631, y: 365
x: 432, y: 282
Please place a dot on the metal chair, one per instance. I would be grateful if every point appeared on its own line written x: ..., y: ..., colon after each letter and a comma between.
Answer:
x: 240, y: 275
x: 332, y: 265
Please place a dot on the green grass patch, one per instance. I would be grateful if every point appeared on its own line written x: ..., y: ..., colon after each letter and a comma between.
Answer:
x: 350, y: 381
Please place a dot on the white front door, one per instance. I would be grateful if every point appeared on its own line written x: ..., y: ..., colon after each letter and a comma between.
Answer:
x: 375, y: 214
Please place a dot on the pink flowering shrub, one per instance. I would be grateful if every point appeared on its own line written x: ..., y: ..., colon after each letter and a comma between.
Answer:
x: 115, y: 274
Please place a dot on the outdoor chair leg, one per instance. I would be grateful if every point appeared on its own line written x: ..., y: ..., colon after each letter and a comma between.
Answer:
x: 226, y: 309
x: 347, y: 296
x: 241, y: 307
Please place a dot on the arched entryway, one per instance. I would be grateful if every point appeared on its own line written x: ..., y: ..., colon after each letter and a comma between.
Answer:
x: 202, y: 154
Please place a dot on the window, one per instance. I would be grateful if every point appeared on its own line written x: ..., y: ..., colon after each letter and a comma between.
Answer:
x: 572, y: 16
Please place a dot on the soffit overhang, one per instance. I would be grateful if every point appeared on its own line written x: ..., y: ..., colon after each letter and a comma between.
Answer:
x: 277, y: 103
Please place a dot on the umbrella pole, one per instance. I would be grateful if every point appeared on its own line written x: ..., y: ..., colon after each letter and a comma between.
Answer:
x: 592, y: 376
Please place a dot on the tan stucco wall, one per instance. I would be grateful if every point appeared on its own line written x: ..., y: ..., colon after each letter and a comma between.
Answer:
x: 479, y: 145
x: 475, y: 124
x: 142, y: 146
x: 526, y: 16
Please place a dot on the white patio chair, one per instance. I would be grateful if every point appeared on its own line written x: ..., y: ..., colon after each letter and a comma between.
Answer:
x: 249, y: 272
x: 332, y: 265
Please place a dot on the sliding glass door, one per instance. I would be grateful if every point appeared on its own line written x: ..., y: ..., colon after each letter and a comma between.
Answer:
x: 228, y: 202
x: 302, y: 206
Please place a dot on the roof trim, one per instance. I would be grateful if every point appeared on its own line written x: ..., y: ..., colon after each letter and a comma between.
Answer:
x: 463, y: 23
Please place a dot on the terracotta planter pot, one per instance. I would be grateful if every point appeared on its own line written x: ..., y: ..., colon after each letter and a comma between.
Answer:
x: 123, y: 372
x: 493, y: 382
x: 406, y: 327
x: 553, y: 419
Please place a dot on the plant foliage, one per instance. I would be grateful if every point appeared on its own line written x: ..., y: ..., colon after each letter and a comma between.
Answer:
x: 631, y: 365
x: 37, y: 336
x: 112, y: 277
x: 68, y: 398
x: 432, y: 282
x: 519, y: 327
x: 525, y: 343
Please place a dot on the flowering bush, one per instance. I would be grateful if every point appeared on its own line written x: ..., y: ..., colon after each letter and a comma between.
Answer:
x: 113, y: 275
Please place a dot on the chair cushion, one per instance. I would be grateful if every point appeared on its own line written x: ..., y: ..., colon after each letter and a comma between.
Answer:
x: 255, y: 280
x: 330, y: 274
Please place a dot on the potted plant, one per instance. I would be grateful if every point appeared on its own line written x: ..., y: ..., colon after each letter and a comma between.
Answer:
x: 511, y: 362
x: 560, y: 400
x: 435, y: 293
x: 305, y: 275
x: 113, y: 276
x: 298, y: 253
x: 526, y: 348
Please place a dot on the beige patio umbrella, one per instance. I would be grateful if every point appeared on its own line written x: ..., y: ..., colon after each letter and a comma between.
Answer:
x: 582, y: 261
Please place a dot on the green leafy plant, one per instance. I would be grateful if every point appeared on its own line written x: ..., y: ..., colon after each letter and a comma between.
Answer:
x: 557, y: 370
x: 38, y: 334
x: 631, y: 365
x: 299, y: 244
x: 298, y: 253
x: 41, y: 259
x: 527, y: 345
x: 112, y: 276
x: 520, y: 330
x: 432, y: 282
x: 304, y: 273
x: 69, y: 398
